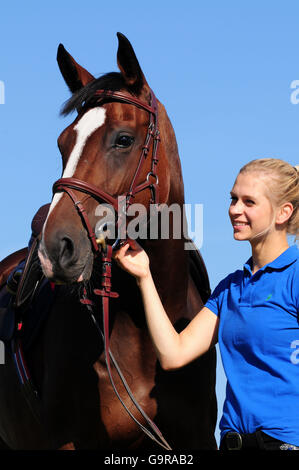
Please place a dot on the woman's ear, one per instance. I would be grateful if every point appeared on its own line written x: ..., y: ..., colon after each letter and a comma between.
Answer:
x: 284, y: 213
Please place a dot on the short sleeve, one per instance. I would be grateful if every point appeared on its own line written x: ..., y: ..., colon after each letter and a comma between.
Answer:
x: 215, y: 301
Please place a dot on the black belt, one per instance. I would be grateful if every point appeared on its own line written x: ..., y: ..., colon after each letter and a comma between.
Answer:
x: 257, y: 440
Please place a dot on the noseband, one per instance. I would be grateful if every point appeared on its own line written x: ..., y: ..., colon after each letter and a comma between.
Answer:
x: 151, y: 182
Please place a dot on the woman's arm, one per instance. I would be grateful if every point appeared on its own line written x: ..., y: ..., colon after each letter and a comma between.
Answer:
x: 173, y: 349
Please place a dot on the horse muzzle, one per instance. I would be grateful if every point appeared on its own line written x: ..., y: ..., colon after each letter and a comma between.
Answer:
x: 65, y: 261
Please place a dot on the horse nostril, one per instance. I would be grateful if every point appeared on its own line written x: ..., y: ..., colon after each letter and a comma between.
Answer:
x: 67, y: 251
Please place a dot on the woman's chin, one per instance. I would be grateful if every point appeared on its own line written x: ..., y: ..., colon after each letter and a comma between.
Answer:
x: 241, y: 237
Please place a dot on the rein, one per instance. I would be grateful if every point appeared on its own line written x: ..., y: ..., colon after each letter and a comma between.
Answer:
x: 151, y: 182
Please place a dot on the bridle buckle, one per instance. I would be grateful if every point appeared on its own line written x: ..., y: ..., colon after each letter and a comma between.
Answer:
x: 153, y: 175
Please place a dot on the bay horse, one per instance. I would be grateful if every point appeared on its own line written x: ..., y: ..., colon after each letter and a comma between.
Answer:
x: 121, y: 143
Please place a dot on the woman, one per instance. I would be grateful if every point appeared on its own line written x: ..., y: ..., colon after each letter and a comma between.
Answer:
x: 253, y: 313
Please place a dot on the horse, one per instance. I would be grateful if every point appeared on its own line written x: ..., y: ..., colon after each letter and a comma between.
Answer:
x: 87, y: 388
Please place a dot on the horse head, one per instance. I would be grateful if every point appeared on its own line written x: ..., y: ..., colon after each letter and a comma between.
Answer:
x: 109, y: 151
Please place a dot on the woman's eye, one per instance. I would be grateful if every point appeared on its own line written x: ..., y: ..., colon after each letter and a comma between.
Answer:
x: 124, y: 141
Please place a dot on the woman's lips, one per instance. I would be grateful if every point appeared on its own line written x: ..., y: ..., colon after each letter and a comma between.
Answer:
x: 239, y: 225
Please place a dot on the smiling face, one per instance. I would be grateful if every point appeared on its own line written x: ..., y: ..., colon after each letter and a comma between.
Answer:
x: 251, y: 213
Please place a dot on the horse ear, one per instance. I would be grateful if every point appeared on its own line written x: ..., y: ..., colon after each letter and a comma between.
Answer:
x: 74, y: 75
x: 129, y: 66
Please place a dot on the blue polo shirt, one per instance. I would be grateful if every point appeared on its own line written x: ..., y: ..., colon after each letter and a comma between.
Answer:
x: 259, y: 345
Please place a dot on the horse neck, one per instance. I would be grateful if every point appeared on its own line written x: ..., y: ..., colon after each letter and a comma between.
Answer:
x: 169, y: 267
x: 169, y: 260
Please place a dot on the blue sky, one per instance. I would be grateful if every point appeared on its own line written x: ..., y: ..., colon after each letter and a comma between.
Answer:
x: 223, y: 70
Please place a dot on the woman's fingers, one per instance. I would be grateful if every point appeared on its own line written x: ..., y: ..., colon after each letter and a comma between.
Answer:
x: 123, y: 249
x: 134, y: 245
x: 120, y: 253
x: 132, y: 258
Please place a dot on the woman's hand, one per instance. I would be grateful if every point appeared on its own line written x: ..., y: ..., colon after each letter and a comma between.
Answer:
x: 133, y: 259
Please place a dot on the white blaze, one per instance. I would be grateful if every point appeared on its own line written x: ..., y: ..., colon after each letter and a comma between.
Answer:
x: 90, y: 121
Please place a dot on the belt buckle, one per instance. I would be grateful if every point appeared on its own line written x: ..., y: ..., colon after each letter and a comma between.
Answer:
x: 286, y: 446
x: 233, y: 440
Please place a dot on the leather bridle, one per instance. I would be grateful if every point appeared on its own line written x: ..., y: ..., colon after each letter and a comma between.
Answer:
x: 151, y: 182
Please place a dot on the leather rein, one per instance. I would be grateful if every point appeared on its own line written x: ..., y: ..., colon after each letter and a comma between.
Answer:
x: 151, y: 182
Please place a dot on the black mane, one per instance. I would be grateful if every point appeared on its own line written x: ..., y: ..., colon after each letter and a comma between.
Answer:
x: 85, y: 97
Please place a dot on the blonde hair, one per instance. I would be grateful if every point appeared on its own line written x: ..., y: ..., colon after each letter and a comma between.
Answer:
x: 282, y: 180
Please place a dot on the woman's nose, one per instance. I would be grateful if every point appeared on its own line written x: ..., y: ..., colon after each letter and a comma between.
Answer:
x: 236, y: 208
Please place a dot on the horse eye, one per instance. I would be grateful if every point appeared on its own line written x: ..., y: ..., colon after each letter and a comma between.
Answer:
x: 124, y: 141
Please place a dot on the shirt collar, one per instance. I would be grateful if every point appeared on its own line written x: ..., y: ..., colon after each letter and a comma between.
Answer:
x: 289, y: 256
